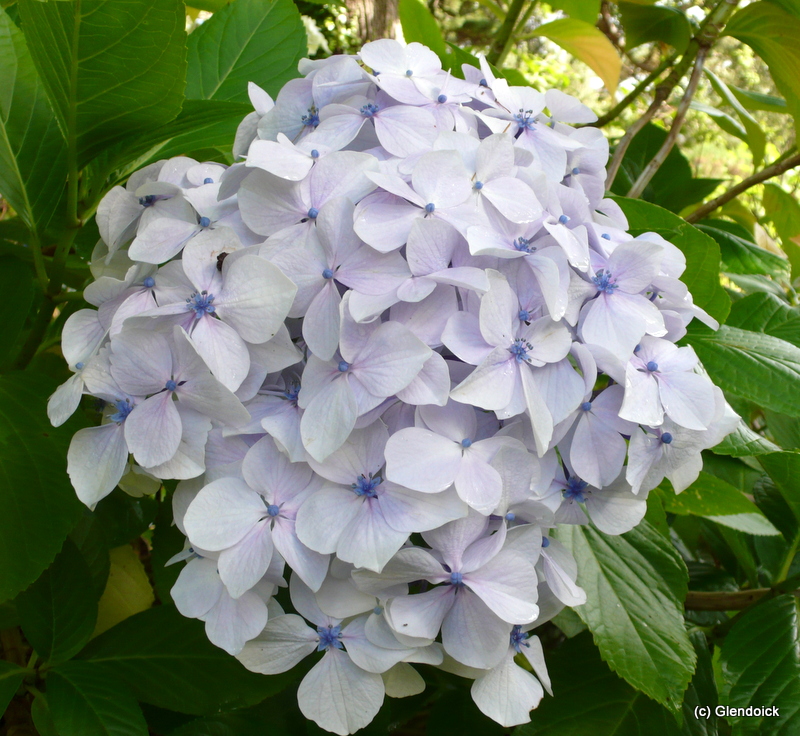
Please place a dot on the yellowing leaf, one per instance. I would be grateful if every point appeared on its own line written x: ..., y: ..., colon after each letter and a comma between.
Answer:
x: 128, y: 590
x: 587, y: 44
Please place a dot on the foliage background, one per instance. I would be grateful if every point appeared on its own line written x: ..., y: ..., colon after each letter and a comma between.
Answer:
x: 695, y: 607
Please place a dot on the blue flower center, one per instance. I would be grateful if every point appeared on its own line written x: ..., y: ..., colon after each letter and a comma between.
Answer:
x: 456, y: 578
x: 170, y: 385
x: 409, y: 72
x: 201, y: 304
x: 312, y: 213
x: 586, y: 406
x: 510, y: 516
x: 605, y: 236
x: 524, y: 120
x: 545, y: 542
x: 519, y: 639
x: 563, y: 219
x: 311, y: 118
x: 430, y: 207
x: 519, y: 349
x: 148, y: 200
x: 369, y: 110
x: 576, y: 171
x: 466, y: 442
x: 79, y: 365
x: 329, y: 636
x: 637, y: 348
x: 149, y: 282
x: 575, y: 490
x: 205, y: 222
x: 604, y: 282
x: 273, y: 510
x: 478, y: 185
x: 524, y: 315
x: 123, y: 408
x: 483, y: 83
x: 208, y: 180
x: 652, y: 366
x: 441, y: 99
x: 666, y: 438
x: 291, y: 393
x: 343, y: 366
x: 365, y: 485
x: 524, y: 245
x: 314, y: 153
x: 327, y: 274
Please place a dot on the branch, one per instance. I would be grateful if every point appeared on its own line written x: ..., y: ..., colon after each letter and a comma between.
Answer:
x: 775, y: 169
x: 737, y: 600
x: 616, y: 111
x: 650, y: 170
x: 502, y: 42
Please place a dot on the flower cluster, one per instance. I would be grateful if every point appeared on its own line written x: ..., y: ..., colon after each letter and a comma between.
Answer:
x: 386, y: 353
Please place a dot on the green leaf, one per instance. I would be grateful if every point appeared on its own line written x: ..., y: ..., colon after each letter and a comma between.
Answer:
x: 726, y: 122
x: 89, y: 537
x: 257, y: 41
x: 756, y: 138
x: 635, y: 584
x: 419, y: 25
x: 37, y: 504
x: 32, y: 150
x: 59, y: 610
x: 244, y: 722
x: 741, y: 254
x: 744, y: 442
x: 592, y: 701
x: 42, y: 717
x: 772, y: 33
x: 771, y: 501
x: 167, y: 542
x: 127, y: 592
x: 702, y: 690
x: 587, y: 44
x: 17, y: 287
x: 785, y: 430
x: 673, y: 187
x: 758, y: 100
x: 123, y: 518
x: 585, y: 10
x: 167, y: 660
x: 569, y: 622
x: 10, y: 679
x: 783, y: 210
x: 752, y: 365
x: 701, y: 251
x: 768, y: 314
x: 784, y: 469
x: 719, y: 501
x: 112, y: 68
x: 85, y: 700
x: 760, y: 665
x: 645, y: 23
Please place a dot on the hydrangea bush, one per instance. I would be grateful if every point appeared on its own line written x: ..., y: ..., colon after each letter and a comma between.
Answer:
x: 387, y: 354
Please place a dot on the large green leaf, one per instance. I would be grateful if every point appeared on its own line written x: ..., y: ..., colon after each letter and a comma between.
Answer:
x: 257, y: 41
x: 588, y: 44
x: 758, y: 100
x: 18, y: 289
x: 10, y: 679
x: 276, y: 712
x: 37, y: 504
x: 585, y: 10
x: 592, y: 701
x: 760, y: 665
x: 768, y: 314
x: 59, y: 610
x: 674, y: 186
x: 784, y: 469
x: 635, y: 585
x: 772, y: 33
x: 744, y: 442
x: 752, y: 365
x: 740, y: 254
x: 32, y: 150
x: 167, y: 661
x: 701, y: 251
x: 784, y: 211
x: 112, y: 68
x: 645, y: 23
x: 85, y: 701
x: 719, y: 501
x: 702, y: 691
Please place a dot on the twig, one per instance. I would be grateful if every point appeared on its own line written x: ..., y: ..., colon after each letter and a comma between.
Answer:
x: 502, y: 42
x: 775, y: 169
x: 616, y: 111
x: 650, y: 170
x: 737, y: 600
